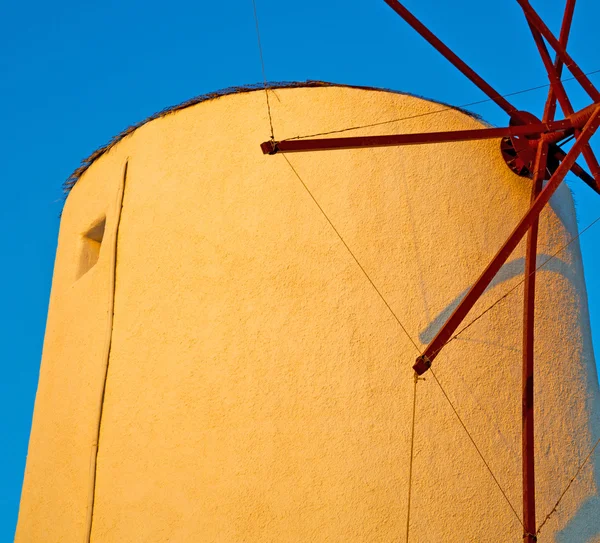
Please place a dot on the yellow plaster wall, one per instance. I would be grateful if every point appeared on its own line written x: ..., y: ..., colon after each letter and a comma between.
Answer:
x: 56, y: 489
x: 258, y: 388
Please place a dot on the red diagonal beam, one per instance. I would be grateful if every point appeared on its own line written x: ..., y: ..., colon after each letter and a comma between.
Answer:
x: 559, y: 154
x: 556, y: 85
x: 445, y: 334
x: 353, y: 142
x: 571, y: 65
x: 563, y: 39
x: 454, y: 59
x: 559, y: 92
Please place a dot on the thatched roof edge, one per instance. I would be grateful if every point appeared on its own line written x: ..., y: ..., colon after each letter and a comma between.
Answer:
x: 87, y: 162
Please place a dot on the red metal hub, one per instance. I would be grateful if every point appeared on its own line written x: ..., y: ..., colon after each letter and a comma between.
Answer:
x: 519, y: 150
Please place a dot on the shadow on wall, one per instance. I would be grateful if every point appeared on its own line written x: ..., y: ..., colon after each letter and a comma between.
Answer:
x: 584, y: 527
x: 510, y: 270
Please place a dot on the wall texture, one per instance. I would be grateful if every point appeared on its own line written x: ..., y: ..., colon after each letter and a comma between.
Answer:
x: 250, y: 382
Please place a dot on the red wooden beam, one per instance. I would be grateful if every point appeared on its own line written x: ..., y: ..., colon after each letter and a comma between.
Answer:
x: 528, y: 390
x: 563, y: 39
x: 556, y: 86
x: 453, y: 58
x: 323, y: 144
x: 576, y: 169
x: 558, y: 91
x: 330, y: 144
x: 571, y: 65
x: 528, y: 433
x: 424, y: 361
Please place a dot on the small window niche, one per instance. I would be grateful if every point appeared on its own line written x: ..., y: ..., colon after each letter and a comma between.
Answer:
x: 90, y: 245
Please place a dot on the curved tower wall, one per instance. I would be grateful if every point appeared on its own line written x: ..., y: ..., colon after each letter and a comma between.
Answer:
x: 258, y: 389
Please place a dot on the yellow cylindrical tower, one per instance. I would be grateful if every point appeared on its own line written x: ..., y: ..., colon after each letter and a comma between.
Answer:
x: 224, y: 359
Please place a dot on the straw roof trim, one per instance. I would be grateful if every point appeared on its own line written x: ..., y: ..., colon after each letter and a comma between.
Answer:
x: 87, y: 162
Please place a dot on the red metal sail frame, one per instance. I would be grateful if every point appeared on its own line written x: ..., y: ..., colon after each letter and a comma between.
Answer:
x: 553, y: 131
x: 446, y: 332
x: 527, y: 391
x: 582, y: 124
x: 536, y: 21
x: 558, y: 92
x: 517, y: 116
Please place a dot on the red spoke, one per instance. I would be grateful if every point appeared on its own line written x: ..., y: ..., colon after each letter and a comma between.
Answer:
x: 445, y: 333
x: 592, y: 163
x: 556, y: 86
x: 572, y: 66
x: 329, y: 144
x: 563, y: 39
x: 527, y: 391
x: 527, y: 440
x: 539, y: 171
x: 576, y: 169
x: 557, y: 90
x: 453, y: 58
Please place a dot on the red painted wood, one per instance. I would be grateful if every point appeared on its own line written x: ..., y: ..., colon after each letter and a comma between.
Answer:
x: 558, y: 91
x: 561, y: 129
x: 572, y: 66
x: 453, y: 58
x: 423, y: 362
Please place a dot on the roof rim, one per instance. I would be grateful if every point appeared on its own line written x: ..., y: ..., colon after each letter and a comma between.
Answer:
x: 87, y: 162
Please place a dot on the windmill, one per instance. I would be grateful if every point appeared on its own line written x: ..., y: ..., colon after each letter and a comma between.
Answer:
x: 223, y: 360
x: 531, y: 148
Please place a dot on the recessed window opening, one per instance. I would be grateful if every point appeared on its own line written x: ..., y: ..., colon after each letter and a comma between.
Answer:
x: 91, y: 242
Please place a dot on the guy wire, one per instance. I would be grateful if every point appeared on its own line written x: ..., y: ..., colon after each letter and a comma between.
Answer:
x: 476, y: 447
x: 416, y: 347
x: 567, y: 488
x: 579, y: 234
x: 412, y: 454
x: 458, y: 416
x: 351, y: 253
x: 416, y: 377
x: 510, y: 291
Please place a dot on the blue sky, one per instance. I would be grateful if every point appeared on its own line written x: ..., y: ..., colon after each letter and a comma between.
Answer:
x: 73, y: 74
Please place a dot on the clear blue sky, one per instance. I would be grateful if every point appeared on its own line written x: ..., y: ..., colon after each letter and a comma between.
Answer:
x: 73, y: 74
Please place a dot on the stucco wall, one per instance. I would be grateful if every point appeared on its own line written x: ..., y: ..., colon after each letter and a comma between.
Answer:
x: 258, y: 389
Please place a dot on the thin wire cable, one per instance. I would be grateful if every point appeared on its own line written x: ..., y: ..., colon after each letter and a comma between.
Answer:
x: 476, y: 447
x: 461, y: 421
x: 449, y: 108
x: 412, y: 455
x: 554, y: 255
x: 351, y: 253
x: 416, y: 347
x: 567, y: 488
x: 504, y: 296
x: 262, y: 64
x: 515, y: 287
x: 433, y: 373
